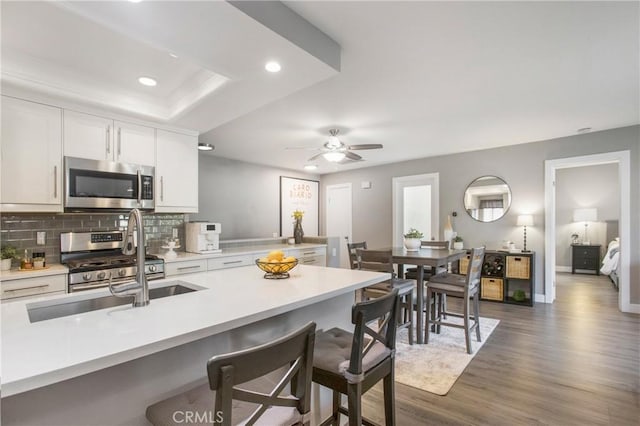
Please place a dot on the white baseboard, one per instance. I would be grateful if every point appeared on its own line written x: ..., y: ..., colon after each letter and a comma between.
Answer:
x: 540, y: 298
x: 634, y: 308
x: 563, y: 268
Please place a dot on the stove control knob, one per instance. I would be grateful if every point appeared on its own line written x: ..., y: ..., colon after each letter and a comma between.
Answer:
x: 101, y: 275
x: 152, y: 268
x: 86, y: 276
x: 122, y: 272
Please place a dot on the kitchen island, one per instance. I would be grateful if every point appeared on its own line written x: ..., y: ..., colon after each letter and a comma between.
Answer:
x: 104, y: 367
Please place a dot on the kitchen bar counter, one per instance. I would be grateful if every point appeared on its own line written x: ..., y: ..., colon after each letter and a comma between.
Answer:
x: 134, y: 356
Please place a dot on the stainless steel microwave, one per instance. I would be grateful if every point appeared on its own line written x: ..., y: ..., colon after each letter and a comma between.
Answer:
x: 94, y: 184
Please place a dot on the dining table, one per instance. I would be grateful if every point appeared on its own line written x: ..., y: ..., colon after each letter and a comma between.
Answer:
x: 425, y: 256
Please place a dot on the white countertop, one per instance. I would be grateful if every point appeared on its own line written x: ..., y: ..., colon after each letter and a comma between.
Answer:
x: 183, y: 256
x: 15, y: 274
x: 46, y: 352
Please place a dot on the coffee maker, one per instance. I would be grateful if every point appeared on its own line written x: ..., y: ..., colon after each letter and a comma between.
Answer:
x: 203, y: 237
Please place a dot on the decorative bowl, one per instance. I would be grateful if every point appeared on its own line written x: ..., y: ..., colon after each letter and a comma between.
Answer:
x: 276, y: 270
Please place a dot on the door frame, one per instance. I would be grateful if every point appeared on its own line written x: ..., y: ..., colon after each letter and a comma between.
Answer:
x: 327, y: 192
x: 396, y: 184
x: 622, y: 158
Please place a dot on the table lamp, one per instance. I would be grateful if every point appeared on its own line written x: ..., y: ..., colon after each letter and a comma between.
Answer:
x: 585, y: 215
x: 525, y: 220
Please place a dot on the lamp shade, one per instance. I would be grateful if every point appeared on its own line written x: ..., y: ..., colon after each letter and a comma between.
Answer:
x: 525, y: 220
x: 585, y: 215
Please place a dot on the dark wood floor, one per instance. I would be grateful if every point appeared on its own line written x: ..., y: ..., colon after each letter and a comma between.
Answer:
x: 573, y: 362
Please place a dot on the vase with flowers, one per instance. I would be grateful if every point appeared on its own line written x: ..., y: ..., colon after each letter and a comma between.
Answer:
x: 298, y: 233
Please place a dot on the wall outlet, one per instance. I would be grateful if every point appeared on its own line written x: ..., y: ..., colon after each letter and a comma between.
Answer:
x: 41, y: 238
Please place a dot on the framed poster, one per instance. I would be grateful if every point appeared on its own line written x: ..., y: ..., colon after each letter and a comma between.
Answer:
x: 299, y: 194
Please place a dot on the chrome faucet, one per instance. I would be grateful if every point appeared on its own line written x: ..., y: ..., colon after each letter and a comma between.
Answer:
x: 139, y: 288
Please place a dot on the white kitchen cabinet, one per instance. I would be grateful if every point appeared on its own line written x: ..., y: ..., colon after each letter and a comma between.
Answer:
x: 176, y: 172
x: 309, y: 256
x: 229, y: 262
x: 32, y: 287
x: 31, y: 157
x: 185, y: 267
x: 99, y: 138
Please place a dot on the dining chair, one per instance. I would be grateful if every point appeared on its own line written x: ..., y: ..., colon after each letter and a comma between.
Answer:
x: 466, y: 287
x: 351, y: 363
x: 353, y: 256
x: 382, y: 261
x: 249, y: 385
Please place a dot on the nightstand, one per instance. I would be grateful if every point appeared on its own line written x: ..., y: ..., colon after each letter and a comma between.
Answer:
x: 585, y: 257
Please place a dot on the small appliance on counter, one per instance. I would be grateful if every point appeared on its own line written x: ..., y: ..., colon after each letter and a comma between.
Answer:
x: 203, y: 237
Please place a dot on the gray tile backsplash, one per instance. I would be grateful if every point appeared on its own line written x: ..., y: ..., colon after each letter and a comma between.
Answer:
x: 19, y: 229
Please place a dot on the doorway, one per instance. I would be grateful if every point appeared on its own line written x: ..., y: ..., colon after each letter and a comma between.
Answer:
x: 339, y: 217
x: 622, y: 158
x: 416, y: 205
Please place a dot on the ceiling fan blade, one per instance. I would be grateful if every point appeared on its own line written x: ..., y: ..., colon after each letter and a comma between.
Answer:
x: 315, y: 156
x: 366, y: 146
x: 352, y: 156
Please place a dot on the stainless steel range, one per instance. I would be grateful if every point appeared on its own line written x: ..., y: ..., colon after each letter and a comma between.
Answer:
x: 95, y: 257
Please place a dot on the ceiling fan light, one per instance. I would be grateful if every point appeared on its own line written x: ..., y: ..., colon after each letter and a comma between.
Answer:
x: 333, y: 142
x: 334, y: 157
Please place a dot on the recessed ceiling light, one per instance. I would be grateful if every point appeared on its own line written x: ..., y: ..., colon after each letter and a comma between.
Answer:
x: 584, y: 130
x: 310, y: 167
x: 173, y: 55
x: 147, y: 81
x: 135, y: 1
x: 205, y: 146
x: 272, y: 66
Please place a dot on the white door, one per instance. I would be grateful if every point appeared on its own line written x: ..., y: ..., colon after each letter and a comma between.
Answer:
x: 31, y: 153
x: 416, y: 205
x: 338, y: 216
x: 88, y: 136
x: 135, y: 144
x: 176, y: 172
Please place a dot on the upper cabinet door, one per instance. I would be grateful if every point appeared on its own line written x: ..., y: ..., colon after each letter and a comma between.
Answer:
x: 176, y: 173
x: 134, y: 144
x: 31, y: 156
x: 88, y: 136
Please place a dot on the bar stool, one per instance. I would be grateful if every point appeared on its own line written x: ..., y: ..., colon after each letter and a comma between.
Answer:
x: 352, y: 363
x: 353, y: 256
x: 465, y: 286
x: 247, y: 385
x: 382, y: 261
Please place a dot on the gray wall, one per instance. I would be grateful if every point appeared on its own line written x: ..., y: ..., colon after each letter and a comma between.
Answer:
x: 521, y: 166
x: 582, y: 187
x: 243, y: 197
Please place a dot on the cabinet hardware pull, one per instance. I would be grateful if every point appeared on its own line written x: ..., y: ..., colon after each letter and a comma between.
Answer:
x: 139, y: 187
x: 119, y: 142
x: 108, y: 136
x: 161, y: 188
x: 183, y: 268
x: 232, y: 262
x: 308, y: 252
x: 55, y: 181
x: 27, y: 288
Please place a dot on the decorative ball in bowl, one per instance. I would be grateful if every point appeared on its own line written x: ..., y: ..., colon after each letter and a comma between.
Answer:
x: 276, y: 266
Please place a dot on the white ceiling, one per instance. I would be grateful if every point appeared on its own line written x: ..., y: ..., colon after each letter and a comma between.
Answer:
x: 421, y: 78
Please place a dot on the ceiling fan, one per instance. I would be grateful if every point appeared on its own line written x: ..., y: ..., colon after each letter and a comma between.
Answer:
x: 336, y: 151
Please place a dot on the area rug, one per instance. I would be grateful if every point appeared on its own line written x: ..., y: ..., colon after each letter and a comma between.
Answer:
x: 435, y: 367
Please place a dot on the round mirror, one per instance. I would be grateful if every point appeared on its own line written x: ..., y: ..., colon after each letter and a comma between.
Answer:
x: 487, y: 198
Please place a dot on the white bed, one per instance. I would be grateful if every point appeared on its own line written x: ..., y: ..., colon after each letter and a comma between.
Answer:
x: 611, y: 261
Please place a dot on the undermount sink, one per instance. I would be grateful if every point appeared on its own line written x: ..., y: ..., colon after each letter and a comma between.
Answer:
x: 42, y: 311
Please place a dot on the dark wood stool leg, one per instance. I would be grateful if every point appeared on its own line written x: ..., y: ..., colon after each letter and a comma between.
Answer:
x: 476, y: 313
x: 389, y: 399
x: 354, y: 395
x: 467, y: 331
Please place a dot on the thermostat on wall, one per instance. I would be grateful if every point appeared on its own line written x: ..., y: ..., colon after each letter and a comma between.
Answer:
x: 365, y: 184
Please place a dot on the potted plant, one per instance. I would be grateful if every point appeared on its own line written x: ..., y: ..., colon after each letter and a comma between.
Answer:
x: 458, y: 243
x: 412, y: 239
x: 7, y: 253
